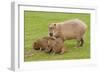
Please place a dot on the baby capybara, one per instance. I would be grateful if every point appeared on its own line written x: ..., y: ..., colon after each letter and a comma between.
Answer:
x: 55, y: 46
x: 49, y: 44
x: 42, y: 43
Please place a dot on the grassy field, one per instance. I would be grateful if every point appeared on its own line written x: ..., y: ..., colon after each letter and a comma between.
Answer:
x: 36, y: 26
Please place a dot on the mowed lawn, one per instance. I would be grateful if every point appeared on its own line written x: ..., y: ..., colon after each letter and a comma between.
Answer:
x: 36, y: 26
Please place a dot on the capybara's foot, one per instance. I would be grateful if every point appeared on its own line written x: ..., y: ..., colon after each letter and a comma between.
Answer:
x: 62, y: 50
x: 81, y: 42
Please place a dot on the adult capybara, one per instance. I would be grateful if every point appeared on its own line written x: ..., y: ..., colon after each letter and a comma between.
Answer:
x: 70, y: 29
x: 55, y: 46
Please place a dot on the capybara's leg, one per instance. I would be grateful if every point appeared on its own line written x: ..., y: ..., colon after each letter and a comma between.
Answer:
x: 40, y: 49
x: 53, y: 51
x: 62, y: 50
x: 81, y: 42
x: 47, y: 50
x: 78, y: 43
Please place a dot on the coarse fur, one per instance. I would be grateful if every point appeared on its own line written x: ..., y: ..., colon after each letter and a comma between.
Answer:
x: 41, y: 44
x: 70, y: 29
x: 55, y: 46
x: 49, y: 44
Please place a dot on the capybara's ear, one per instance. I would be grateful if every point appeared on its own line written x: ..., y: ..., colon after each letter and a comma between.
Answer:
x: 34, y: 43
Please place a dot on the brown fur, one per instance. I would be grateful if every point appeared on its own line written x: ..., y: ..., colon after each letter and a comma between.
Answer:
x: 49, y: 44
x: 67, y: 30
x: 55, y: 46
x: 41, y: 44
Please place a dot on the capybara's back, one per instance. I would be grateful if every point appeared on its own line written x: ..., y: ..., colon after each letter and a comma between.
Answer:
x: 73, y: 29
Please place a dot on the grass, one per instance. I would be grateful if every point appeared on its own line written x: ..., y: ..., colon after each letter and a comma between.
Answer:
x: 36, y: 26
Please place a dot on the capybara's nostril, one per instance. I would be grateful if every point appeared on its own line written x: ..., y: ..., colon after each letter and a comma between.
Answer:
x: 51, y: 34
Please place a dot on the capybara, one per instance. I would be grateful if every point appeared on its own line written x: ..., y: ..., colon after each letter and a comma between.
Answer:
x: 49, y: 44
x: 55, y: 46
x: 42, y: 43
x: 67, y: 30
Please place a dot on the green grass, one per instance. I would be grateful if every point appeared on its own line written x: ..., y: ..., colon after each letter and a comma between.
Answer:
x: 36, y: 26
